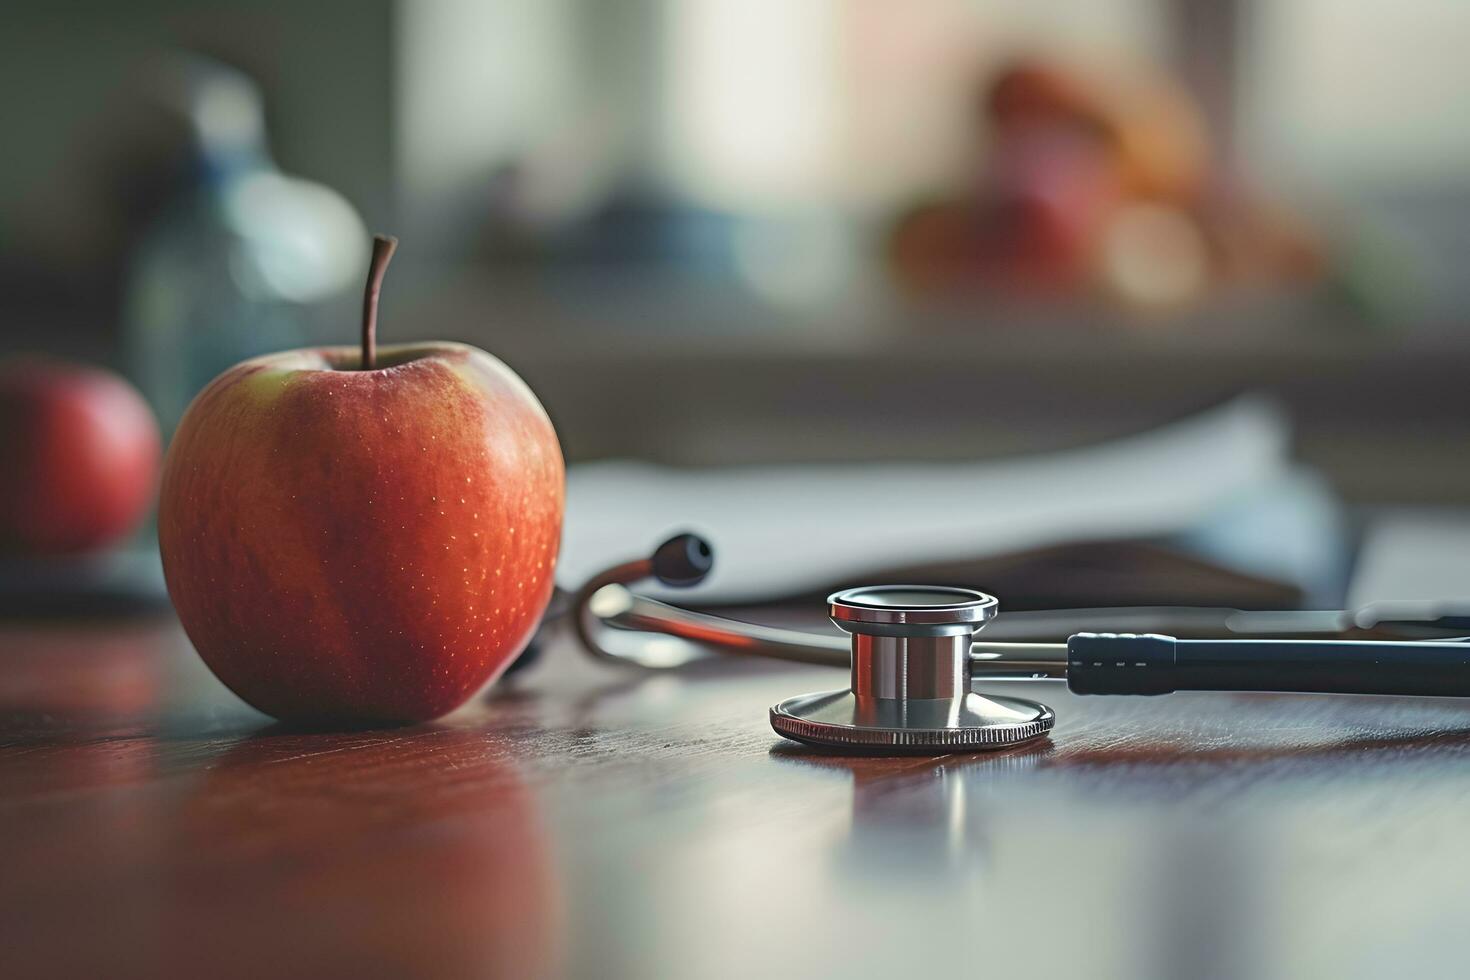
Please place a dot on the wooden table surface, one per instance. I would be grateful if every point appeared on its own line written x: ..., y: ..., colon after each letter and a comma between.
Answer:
x: 583, y: 821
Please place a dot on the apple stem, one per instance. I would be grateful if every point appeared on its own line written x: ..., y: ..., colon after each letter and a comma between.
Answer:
x: 383, y: 246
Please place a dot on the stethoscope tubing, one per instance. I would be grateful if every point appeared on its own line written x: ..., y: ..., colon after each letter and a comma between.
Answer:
x: 614, y: 624
x: 1091, y: 663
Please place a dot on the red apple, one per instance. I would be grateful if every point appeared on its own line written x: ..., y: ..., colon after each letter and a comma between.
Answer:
x: 80, y: 451
x: 362, y: 536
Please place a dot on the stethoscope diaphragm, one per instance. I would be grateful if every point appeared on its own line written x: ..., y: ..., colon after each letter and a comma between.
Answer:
x: 910, y: 690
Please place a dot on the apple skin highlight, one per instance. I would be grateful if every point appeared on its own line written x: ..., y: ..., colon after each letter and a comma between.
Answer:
x: 362, y: 546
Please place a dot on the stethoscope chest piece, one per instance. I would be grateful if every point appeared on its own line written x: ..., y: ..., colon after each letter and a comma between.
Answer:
x: 910, y: 688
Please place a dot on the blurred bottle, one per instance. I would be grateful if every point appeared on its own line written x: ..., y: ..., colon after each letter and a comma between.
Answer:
x: 238, y: 262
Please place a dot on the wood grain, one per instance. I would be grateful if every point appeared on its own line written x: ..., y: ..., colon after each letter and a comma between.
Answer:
x: 587, y: 822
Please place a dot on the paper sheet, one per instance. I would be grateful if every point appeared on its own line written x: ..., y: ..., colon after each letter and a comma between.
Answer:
x: 778, y: 530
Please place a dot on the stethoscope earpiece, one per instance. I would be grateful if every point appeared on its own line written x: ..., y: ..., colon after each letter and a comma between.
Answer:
x: 683, y: 560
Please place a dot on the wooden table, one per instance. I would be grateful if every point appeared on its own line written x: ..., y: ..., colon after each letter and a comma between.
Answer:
x: 583, y: 821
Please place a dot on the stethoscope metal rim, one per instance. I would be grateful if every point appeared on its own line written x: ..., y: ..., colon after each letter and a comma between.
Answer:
x: 974, y: 723
x: 848, y: 607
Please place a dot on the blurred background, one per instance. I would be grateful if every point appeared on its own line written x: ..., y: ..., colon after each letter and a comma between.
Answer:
x: 1080, y: 302
x: 739, y: 232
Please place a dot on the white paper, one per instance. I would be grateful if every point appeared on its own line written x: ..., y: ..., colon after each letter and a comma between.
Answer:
x: 1417, y: 555
x: 778, y: 530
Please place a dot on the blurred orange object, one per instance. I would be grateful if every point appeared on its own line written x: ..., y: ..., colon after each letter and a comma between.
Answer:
x: 81, y: 453
x: 1146, y: 122
x: 1101, y: 182
x: 1044, y: 209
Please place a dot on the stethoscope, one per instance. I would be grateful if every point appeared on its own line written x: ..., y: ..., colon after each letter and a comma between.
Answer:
x: 914, y: 658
